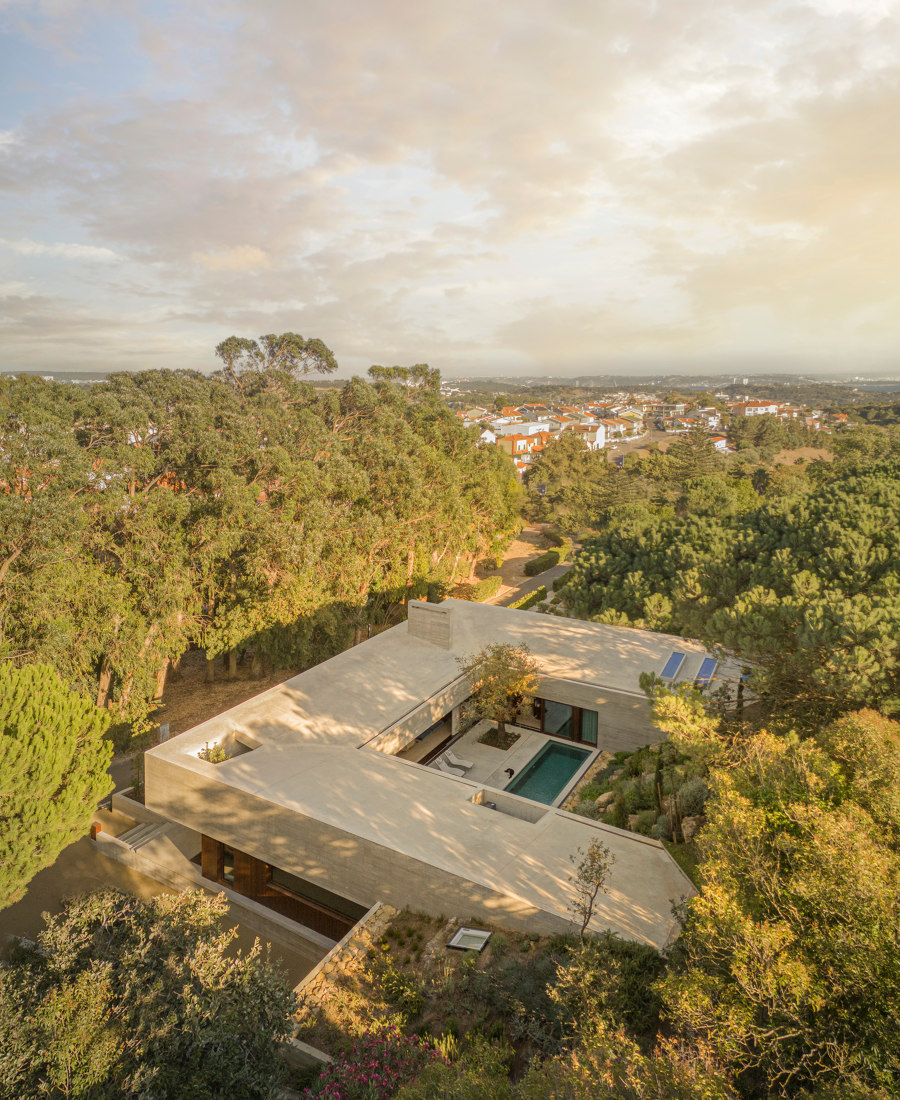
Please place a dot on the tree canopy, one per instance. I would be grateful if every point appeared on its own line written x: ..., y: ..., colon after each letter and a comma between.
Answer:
x: 789, y: 965
x: 500, y: 676
x: 53, y: 760
x: 805, y: 586
x: 125, y: 998
x: 250, y: 512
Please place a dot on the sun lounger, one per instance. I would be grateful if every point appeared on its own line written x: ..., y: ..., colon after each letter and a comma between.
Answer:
x: 456, y: 762
x: 443, y: 766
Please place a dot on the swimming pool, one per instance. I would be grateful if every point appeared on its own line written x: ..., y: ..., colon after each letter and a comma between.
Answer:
x: 549, y: 772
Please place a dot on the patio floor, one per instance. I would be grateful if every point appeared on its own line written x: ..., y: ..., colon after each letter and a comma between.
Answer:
x: 490, y: 764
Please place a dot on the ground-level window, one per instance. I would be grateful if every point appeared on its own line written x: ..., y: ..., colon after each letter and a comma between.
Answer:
x: 305, y: 902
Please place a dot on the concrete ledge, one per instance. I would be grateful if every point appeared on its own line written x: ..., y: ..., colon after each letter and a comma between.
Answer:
x: 301, y: 1055
x: 123, y: 804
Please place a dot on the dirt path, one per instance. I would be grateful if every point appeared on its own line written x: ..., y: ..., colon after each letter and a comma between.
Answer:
x: 528, y: 545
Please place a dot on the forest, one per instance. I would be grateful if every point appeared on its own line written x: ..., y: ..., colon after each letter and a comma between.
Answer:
x: 249, y: 514
x: 801, y: 579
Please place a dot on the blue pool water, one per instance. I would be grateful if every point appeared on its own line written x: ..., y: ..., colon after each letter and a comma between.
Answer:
x: 549, y: 772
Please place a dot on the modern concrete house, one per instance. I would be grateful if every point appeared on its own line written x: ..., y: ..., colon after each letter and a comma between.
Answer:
x: 337, y: 791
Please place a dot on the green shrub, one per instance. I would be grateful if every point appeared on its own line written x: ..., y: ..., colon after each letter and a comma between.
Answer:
x: 615, y: 979
x: 662, y: 830
x: 531, y: 599
x: 479, y: 591
x: 490, y: 586
x: 638, y: 797
x: 120, y: 733
x: 619, y: 814
x: 213, y: 753
x: 591, y: 790
x: 692, y: 796
x: 562, y: 581
x: 499, y: 945
x: 646, y: 822
x: 634, y: 765
x: 401, y: 991
x: 541, y: 563
x: 587, y: 808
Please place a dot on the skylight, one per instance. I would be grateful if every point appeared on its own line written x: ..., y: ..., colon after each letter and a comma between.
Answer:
x: 672, y: 665
x: 706, y: 671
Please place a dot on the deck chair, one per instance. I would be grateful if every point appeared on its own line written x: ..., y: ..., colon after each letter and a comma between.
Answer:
x: 443, y: 766
x: 456, y: 762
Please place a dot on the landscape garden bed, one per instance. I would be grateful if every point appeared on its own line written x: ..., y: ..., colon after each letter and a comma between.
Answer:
x: 655, y: 790
x: 496, y: 739
x: 410, y: 984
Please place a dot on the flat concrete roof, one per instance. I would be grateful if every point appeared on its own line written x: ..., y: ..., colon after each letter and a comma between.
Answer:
x: 309, y: 731
x: 430, y: 817
x: 370, y: 687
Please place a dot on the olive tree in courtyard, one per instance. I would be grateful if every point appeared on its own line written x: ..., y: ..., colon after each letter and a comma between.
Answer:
x: 500, y: 676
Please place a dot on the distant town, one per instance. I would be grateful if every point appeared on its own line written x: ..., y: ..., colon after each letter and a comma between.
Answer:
x: 523, y: 431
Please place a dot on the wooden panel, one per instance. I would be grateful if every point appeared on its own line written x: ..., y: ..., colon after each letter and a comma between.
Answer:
x: 211, y: 858
x: 250, y: 875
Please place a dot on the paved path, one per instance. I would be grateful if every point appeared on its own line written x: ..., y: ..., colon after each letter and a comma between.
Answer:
x: 532, y: 584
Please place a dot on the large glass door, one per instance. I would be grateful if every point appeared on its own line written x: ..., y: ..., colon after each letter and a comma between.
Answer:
x: 563, y: 720
x: 558, y: 719
x: 588, y: 723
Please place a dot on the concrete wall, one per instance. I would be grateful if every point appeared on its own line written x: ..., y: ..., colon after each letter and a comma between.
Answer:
x: 352, y: 866
x: 430, y: 622
x: 265, y: 921
x: 130, y: 807
x: 405, y: 731
x: 623, y: 721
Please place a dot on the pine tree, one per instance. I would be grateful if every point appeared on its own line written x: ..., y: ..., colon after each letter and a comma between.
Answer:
x: 53, y: 760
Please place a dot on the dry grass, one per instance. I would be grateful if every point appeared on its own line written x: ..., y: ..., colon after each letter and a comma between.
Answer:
x: 808, y: 454
x: 188, y: 700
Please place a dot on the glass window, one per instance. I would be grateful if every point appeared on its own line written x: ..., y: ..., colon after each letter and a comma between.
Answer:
x: 589, y: 727
x: 228, y: 865
x: 557, y: 718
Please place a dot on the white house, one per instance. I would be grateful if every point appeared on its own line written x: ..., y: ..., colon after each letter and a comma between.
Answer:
x: 338, y: 789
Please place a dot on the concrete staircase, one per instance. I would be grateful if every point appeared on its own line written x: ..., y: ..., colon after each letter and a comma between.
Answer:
x: 142, y: 834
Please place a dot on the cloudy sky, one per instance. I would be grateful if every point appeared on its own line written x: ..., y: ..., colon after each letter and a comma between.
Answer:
x: 522, y: 186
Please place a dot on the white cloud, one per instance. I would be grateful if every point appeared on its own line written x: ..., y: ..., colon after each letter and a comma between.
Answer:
x: 240, y: 258
x: 59, y: 249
